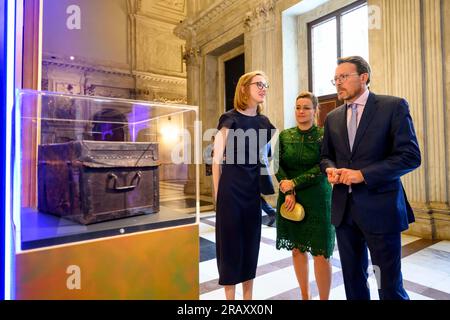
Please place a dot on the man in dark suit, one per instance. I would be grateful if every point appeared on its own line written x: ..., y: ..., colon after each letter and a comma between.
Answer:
x: 369, y: 143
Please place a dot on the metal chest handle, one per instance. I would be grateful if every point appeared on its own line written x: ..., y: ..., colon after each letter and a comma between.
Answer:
x: 137, y: 177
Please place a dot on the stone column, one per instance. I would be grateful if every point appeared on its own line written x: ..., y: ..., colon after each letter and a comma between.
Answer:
x: 407, y: 54
x: 261, y: 42
x: 192, y: 58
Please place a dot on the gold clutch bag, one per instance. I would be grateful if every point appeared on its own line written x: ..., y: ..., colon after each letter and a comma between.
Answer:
x: 297, y: 214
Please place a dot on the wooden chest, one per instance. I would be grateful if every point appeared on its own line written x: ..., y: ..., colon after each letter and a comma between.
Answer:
x: 93, y: 181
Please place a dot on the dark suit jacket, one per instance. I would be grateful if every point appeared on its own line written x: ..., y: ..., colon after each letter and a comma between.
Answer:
x: 385, y: 148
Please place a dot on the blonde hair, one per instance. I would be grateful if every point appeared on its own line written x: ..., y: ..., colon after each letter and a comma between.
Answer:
x: 240, y: 98
x: 310, y: 96
x: 314, y: 100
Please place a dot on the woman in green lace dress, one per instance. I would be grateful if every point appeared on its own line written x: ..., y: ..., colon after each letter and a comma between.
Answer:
x: 301, y: 180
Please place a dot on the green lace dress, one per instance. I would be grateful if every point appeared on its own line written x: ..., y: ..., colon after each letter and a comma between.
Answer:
x: 299, y: 161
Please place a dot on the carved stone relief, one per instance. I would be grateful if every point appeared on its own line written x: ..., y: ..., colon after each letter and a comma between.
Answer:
x: 261, y: 16
x: 158, y: 49
x: 172, y: 4
x: 76, y: 79
x: 191, y: 56
x: 110, y: 92
x: 66, y: 87
x: 172, y: 11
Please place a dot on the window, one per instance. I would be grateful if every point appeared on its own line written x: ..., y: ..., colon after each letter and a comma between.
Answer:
x: 324, y: 52
x: 339, y: 34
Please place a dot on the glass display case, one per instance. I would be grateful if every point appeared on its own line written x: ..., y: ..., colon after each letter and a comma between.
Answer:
x: 93, y: 167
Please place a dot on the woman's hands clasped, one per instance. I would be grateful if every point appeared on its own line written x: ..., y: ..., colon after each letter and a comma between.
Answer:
x: 289, y: 202
x: 286, y: 185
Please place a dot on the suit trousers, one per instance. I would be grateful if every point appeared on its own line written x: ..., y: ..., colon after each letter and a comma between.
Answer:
x: 385, y: 253
x: 267, y: 208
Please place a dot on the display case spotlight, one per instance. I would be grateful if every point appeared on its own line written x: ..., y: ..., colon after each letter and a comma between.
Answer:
x: 169, y: 133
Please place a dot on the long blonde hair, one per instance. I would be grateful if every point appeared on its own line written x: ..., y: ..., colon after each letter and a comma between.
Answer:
x: 241, y: 98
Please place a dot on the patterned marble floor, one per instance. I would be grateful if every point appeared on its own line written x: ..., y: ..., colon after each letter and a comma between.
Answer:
x: 425, y: 265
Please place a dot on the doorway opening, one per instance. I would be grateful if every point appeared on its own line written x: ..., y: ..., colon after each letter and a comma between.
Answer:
x: 234, y: 69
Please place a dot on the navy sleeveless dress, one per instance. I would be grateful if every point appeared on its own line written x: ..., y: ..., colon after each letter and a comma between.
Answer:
x: 238, y: 206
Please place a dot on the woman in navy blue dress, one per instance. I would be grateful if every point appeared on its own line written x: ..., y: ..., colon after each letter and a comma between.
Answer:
x: 243, y: 132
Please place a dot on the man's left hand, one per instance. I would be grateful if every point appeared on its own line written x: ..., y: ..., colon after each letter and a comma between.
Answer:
x: 349, y: 176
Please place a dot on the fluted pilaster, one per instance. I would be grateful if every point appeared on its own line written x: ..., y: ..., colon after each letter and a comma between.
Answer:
x: 261, y: 18
x: 259, y: 31
x: 407, y: 57
x: 434, y: 102
x: 260, y: 41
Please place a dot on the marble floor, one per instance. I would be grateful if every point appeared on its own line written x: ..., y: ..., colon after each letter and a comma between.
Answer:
x: 425, y: 265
